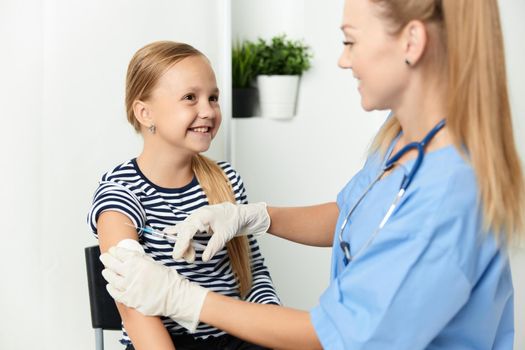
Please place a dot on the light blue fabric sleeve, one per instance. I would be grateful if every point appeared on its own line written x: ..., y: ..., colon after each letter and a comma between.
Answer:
x: 400, y: 301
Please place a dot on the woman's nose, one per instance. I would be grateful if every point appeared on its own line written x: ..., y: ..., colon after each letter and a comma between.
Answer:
x: 344, y: 60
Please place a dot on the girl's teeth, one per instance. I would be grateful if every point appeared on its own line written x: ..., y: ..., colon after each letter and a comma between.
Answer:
x: 200, y: 129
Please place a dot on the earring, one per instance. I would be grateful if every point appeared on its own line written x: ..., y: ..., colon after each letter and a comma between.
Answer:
x: 152, y: 128
x: 407, y: 62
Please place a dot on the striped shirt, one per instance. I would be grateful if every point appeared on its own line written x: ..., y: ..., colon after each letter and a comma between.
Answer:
x: 125, y: 189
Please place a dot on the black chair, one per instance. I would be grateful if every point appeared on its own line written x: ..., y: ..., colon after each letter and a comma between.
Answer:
x: 104, y: 313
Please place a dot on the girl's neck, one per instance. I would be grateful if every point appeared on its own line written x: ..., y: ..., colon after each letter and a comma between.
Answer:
x: 168, y: 170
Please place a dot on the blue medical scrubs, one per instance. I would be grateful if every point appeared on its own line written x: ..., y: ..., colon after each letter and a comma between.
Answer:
x: 433, y: 278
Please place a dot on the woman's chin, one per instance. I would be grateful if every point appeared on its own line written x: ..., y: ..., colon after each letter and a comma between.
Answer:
x: 366, y: 105
x: 370, y: 106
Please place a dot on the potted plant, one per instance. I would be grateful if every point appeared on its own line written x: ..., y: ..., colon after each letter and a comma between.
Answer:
x: 244, y: 65
x: 280, y: 64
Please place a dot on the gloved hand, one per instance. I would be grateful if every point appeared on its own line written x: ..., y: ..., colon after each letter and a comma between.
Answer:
x: 226, y: 220
x: 139, y: 282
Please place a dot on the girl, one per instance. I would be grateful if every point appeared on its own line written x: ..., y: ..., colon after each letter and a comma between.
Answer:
x: 172, y: 100
x: 419, y: 258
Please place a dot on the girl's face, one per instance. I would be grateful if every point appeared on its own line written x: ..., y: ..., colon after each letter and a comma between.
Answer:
x: 375, y: 56
x: 184, y: 106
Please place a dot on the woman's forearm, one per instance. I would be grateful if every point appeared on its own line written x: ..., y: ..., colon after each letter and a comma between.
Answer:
x: 313, y: 225
x: 271, y: 326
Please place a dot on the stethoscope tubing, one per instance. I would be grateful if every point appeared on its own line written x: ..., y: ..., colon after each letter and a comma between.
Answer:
x: 407, y: 179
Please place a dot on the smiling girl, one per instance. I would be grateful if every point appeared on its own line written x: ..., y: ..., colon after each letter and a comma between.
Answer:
x: 172, y: 100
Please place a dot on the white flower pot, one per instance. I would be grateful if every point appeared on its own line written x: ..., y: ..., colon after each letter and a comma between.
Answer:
x: 278, y: 95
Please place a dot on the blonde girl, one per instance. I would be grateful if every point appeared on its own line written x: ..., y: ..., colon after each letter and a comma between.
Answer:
x: 172, y: 100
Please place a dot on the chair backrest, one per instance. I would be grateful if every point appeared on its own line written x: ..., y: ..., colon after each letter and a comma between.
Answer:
x: 104, y: 313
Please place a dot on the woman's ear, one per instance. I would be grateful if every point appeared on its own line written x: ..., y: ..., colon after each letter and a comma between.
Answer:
x: 415, y: 40
x: 142, y: 113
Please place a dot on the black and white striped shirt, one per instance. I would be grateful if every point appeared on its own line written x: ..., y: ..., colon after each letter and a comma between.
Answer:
x: 126, y: 190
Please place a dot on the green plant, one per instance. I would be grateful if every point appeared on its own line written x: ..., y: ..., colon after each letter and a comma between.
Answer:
x: 282, y: 56
x: 244, y: 64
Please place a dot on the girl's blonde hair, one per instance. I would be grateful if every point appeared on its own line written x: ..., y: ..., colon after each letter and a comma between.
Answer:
x: 144, y: 71
x: 466, y: 46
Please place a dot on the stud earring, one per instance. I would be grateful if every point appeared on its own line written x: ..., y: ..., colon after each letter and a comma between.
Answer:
x: 407, y: 62
x: 152, y: 128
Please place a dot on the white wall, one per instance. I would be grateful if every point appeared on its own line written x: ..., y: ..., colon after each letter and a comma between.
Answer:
x: 308, y: 159
x: 62, y: 91
x: 21, y: 72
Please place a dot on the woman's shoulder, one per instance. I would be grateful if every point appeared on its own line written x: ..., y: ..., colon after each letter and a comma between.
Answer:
x: 450, y: 178
x: 448, y: 199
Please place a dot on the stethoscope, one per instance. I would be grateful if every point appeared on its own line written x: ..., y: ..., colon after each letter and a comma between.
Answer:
x: 407, y: 179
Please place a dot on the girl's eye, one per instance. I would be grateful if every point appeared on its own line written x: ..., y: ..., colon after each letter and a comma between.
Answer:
x: 189, y: 97
x: 348, y: 43
x: 214, y: 98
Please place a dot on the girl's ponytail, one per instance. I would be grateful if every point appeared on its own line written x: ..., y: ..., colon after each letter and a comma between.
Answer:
x: 218, y: 189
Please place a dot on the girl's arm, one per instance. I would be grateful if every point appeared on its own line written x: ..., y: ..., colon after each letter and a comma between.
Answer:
x: 271, y: 326
x: 313, y: 225
x: 146, y: 332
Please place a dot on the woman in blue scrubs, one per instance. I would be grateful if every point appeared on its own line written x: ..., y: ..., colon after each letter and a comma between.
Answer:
x: 418, y: 235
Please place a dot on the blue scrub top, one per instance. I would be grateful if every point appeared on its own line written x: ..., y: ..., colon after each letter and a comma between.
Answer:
x: 433, y: 278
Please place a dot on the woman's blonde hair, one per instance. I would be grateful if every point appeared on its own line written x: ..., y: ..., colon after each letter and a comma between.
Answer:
x: 144, y: 71
x: 466, y: 47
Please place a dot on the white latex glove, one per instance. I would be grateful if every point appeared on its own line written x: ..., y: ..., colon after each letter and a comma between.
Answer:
x: 225, y: 220
x: 137, y: 281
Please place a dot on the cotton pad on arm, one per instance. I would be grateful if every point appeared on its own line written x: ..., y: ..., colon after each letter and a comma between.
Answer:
x: 131, y: 244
